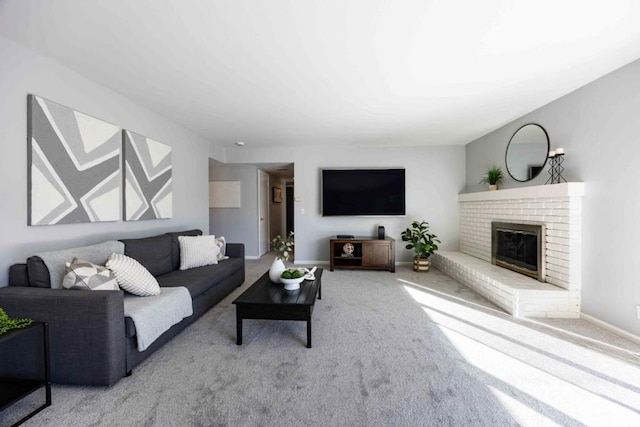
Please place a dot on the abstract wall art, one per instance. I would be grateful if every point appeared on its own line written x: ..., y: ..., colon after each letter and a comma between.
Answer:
x: 147, y: 178
x: 73, y: 166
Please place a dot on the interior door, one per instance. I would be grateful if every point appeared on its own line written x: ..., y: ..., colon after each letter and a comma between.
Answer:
x: 263, y: 212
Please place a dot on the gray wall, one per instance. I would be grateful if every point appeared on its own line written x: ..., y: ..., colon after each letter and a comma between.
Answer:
x: 599, y: 128
x: 22, y: 71
x: 239, y: 225
x: 435, y: 176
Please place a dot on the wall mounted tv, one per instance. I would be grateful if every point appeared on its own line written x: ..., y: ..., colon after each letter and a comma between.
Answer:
x: 363, y: 192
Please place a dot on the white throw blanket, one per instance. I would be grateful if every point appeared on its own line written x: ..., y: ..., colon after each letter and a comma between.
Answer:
x: 155, y: 315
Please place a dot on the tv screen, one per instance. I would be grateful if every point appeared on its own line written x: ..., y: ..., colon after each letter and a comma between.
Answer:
x: 363, y: 192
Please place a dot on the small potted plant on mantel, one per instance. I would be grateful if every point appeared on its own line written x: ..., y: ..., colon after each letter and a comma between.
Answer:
x: 283, y: 247
x: 423, y: 243
x: 493, y: 178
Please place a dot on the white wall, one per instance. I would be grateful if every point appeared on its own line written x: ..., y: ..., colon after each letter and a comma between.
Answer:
x: 22, y: 71
x: 599, y: 127
x: 434, y: 177
x: 237, y: 225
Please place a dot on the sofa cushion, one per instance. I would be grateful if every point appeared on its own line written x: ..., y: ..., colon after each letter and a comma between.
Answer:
x: 154, y: 253
x: 222, y: 244
x: 18, y: 275
x: 54, y: 261
x: 132, y: 276
x: 38, y: 273
x: 84, y: 275
x: 198, y: 251
x: 175, y: 245
x: 200, y: 279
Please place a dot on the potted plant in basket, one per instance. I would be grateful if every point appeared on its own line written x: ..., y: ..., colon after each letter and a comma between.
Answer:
x: 493, y: 178
x: 423, y: 243
x: 282, y: 247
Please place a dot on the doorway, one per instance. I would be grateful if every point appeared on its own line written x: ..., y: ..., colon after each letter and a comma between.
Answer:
x: 263, y: 212
x: 289, y: 212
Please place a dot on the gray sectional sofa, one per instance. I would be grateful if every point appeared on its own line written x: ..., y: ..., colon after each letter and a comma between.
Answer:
x: 91, y: 340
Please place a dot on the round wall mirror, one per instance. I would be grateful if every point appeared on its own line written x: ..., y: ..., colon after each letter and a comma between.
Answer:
x: 527, y: 152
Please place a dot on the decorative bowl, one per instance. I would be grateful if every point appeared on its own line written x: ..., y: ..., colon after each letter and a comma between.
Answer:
x: 291, y: 284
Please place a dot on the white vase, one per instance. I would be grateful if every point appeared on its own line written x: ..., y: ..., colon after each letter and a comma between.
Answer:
x: 277, y: 267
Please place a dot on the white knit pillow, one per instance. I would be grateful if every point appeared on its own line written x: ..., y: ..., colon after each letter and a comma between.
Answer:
x: 196, y: 251
x: 132, y: 276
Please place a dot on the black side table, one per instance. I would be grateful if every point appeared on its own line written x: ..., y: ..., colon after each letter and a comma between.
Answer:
x: 24, y: 366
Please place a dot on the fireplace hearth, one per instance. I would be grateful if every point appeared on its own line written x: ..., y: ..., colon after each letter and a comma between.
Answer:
x: 519, y: 247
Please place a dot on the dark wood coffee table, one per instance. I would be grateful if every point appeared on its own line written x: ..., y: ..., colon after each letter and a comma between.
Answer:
x: 268, y: 300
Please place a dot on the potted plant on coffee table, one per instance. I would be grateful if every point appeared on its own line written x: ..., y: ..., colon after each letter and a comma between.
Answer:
x: 493, y: 178
x: 7, y: 324
x: 283, y: 247
x: 423, y: 243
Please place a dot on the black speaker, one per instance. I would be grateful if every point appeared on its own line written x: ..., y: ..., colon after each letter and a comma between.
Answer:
x: 380, y: 232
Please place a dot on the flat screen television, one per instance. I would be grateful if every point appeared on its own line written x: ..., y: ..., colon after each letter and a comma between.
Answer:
x: 374, y: 192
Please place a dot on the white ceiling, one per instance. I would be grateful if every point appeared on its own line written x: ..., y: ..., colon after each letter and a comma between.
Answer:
x: 334, y: 72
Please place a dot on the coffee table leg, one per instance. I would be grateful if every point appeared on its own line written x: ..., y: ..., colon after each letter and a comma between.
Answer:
x: 320, y: 290
x: 238, y: 329
x: 309, y: 332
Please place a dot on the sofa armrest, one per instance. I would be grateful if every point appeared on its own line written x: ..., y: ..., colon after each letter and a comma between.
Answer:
x: 86, y: 330
x: 235, y: 250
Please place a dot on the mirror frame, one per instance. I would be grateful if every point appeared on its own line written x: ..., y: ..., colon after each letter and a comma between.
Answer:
x: 545, y: 159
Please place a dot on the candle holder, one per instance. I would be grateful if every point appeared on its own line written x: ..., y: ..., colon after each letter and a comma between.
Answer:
x: 556, y: 169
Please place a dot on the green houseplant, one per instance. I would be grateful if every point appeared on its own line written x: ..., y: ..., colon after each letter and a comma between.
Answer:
x: 283, y: 247
x: 423, y: 243
x: 493, y: 178
x: 7, y: 324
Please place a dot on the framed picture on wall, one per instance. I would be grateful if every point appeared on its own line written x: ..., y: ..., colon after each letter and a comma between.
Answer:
x: 277, y: 195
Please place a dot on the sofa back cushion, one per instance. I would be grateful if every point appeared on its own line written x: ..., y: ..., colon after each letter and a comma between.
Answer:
x: 18, y: 275
x: 47, y: 269
x: 154, y: 253
x: 175, y: 245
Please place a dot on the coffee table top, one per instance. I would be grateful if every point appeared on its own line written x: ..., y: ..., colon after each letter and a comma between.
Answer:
x: 264, y: 291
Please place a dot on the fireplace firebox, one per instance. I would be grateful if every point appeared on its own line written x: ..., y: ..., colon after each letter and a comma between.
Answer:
x: 519, y: 247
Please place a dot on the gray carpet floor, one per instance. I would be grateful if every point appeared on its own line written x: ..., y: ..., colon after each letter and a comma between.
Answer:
x: 402, y: 349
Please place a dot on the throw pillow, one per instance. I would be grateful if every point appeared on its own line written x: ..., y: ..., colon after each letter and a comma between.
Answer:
x: 222, y: 244
x: 81, y: 274
x: 132, y: 276
x: 197, y: 251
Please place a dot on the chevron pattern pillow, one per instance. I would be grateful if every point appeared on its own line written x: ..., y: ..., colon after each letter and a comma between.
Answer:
x: 222, y: 244
x: 132, y: 276
x: 196, y: 251
x: 81, y: 274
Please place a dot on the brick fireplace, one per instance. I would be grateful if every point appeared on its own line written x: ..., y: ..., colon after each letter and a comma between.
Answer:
x: 558, y: 208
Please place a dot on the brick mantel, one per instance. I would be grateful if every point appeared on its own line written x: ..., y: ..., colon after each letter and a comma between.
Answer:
x: 567, y: 189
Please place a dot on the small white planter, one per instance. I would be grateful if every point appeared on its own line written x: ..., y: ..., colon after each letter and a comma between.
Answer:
x: 277, y: 267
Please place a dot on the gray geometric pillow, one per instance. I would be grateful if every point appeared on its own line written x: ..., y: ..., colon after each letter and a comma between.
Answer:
x: 82, y: 274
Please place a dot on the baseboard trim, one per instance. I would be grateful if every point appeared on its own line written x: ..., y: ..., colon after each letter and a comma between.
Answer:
x: 404, y: 262
x: 251, y: 257
x: 611, y: 328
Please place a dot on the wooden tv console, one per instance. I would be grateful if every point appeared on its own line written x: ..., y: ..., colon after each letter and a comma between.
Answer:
x: 369, y: 253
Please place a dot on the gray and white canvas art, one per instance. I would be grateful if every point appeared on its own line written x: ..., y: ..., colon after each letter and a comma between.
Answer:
x: 148, y: 190
x: 73, y: 165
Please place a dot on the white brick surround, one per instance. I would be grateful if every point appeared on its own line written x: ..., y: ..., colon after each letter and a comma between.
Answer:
x: 559, y: 207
